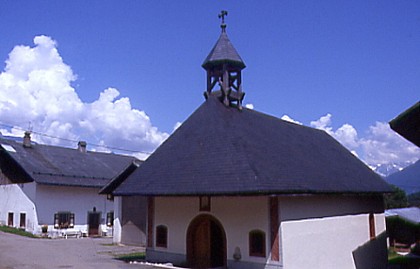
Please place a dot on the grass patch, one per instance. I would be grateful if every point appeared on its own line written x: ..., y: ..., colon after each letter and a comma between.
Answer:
x: 405, y: 262
x: 12, y: 230
x: 131, y: 257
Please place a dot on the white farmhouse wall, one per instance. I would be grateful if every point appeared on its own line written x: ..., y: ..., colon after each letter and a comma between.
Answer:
x: 80, y: 201
x: 238, y: 216
x: 14, y: 199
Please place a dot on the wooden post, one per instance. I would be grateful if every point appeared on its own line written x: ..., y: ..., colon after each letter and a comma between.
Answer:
x: 274, y: 227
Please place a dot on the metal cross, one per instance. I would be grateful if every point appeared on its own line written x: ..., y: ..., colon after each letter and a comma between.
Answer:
x: 222, y: 15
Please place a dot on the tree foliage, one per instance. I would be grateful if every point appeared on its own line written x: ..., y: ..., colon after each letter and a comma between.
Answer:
x: 414, y: 199
x: 396, y: 199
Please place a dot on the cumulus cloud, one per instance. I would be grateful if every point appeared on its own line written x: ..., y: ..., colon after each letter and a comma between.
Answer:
x: 249, y: 106
x: 35, y: 90
x: 380, y: 145
x: 177, y: 125
x: 289, y: 119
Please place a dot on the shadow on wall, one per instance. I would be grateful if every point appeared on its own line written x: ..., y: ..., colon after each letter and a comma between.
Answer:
x: 373, y: 254
x: 134, y: 215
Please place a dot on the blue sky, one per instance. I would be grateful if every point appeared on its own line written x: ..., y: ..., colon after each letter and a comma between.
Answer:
x: 325, y: 64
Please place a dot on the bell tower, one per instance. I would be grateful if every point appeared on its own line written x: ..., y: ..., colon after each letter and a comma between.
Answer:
x: 223, y: 66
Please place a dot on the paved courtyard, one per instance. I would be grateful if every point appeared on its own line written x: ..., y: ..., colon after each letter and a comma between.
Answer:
x: 17, y: 252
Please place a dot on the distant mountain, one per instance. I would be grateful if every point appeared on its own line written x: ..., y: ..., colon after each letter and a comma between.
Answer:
x: 385, y: 170
x: 407, y: 179
x: 14, y: 138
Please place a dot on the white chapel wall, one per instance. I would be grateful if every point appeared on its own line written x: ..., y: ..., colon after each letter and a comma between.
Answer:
x: 238, y: 215
x: 116, y: 236
x: 133, y: 220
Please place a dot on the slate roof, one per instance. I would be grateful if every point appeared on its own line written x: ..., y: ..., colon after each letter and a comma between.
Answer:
x: 221, y: 150
x: 411, y: 214
x: 54, y: 165
x: 407, y: 124
x: 223, y: 52
x: 116, y: 181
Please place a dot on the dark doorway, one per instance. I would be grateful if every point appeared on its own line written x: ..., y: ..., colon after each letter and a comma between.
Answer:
x: 22, y: 223
x: 206, y: 243
x: 10, y: 219
x: 94, y: 219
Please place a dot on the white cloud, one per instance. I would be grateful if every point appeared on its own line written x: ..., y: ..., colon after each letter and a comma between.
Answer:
x: 249, y: 106
x: 380, y: 145
x: 289, y: 119
x: 177, y: 125
x: 323, y: 123
x: 35, y: 88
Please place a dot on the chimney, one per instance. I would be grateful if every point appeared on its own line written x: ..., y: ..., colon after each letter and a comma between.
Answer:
x: 27, y: 140
x: 81, y: 146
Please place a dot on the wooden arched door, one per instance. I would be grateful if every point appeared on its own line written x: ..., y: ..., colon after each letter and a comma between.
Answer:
x: 206, y: 243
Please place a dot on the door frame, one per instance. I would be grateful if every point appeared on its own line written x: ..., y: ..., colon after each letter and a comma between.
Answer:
x: 191, y: 244
x: 97, y: 213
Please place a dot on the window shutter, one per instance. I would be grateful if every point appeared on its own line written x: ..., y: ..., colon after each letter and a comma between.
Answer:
x: 56, y: 221
x: 71, y: 220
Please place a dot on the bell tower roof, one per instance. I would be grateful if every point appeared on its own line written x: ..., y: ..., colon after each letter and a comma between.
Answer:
x: 223, y: 51
x: 223, y: 67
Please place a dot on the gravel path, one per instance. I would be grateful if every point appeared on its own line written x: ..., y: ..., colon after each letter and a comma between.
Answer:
x: 17, y: 252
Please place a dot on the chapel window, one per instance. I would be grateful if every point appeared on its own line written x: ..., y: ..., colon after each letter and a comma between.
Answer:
x: 205, y: 203
x: 162, y: 236
x: 257, y: 243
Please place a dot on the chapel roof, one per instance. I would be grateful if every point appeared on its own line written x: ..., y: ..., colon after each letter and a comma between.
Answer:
x: 220, y: 150
x: 53, y: 165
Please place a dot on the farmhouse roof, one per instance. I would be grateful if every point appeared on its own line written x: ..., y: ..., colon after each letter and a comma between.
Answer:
x: 53, y: 165
x: 220, y: 150
x: 411, y: 214
x: 407, y: 124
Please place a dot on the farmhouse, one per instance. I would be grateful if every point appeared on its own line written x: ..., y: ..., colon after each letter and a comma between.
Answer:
x: 235, y: 188
x: 407, y: 124
x: 55, y: 188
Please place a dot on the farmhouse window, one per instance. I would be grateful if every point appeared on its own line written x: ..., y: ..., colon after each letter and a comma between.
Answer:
x: 110, y: 219
x: 162, y: 236
x: 63, y: 220
x: 22, y: 223
x: 257, y: 243
x: 10, y: 219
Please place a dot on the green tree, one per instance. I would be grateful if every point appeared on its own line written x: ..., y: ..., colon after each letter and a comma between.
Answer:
x: 414, y: 199
x: 396, y: 199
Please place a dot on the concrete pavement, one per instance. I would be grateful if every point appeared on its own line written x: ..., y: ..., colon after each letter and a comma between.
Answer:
x: 17, y: 252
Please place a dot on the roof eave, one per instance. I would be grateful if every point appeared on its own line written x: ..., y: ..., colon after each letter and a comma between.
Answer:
x: 407, y: 124
x: 252, y: 193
